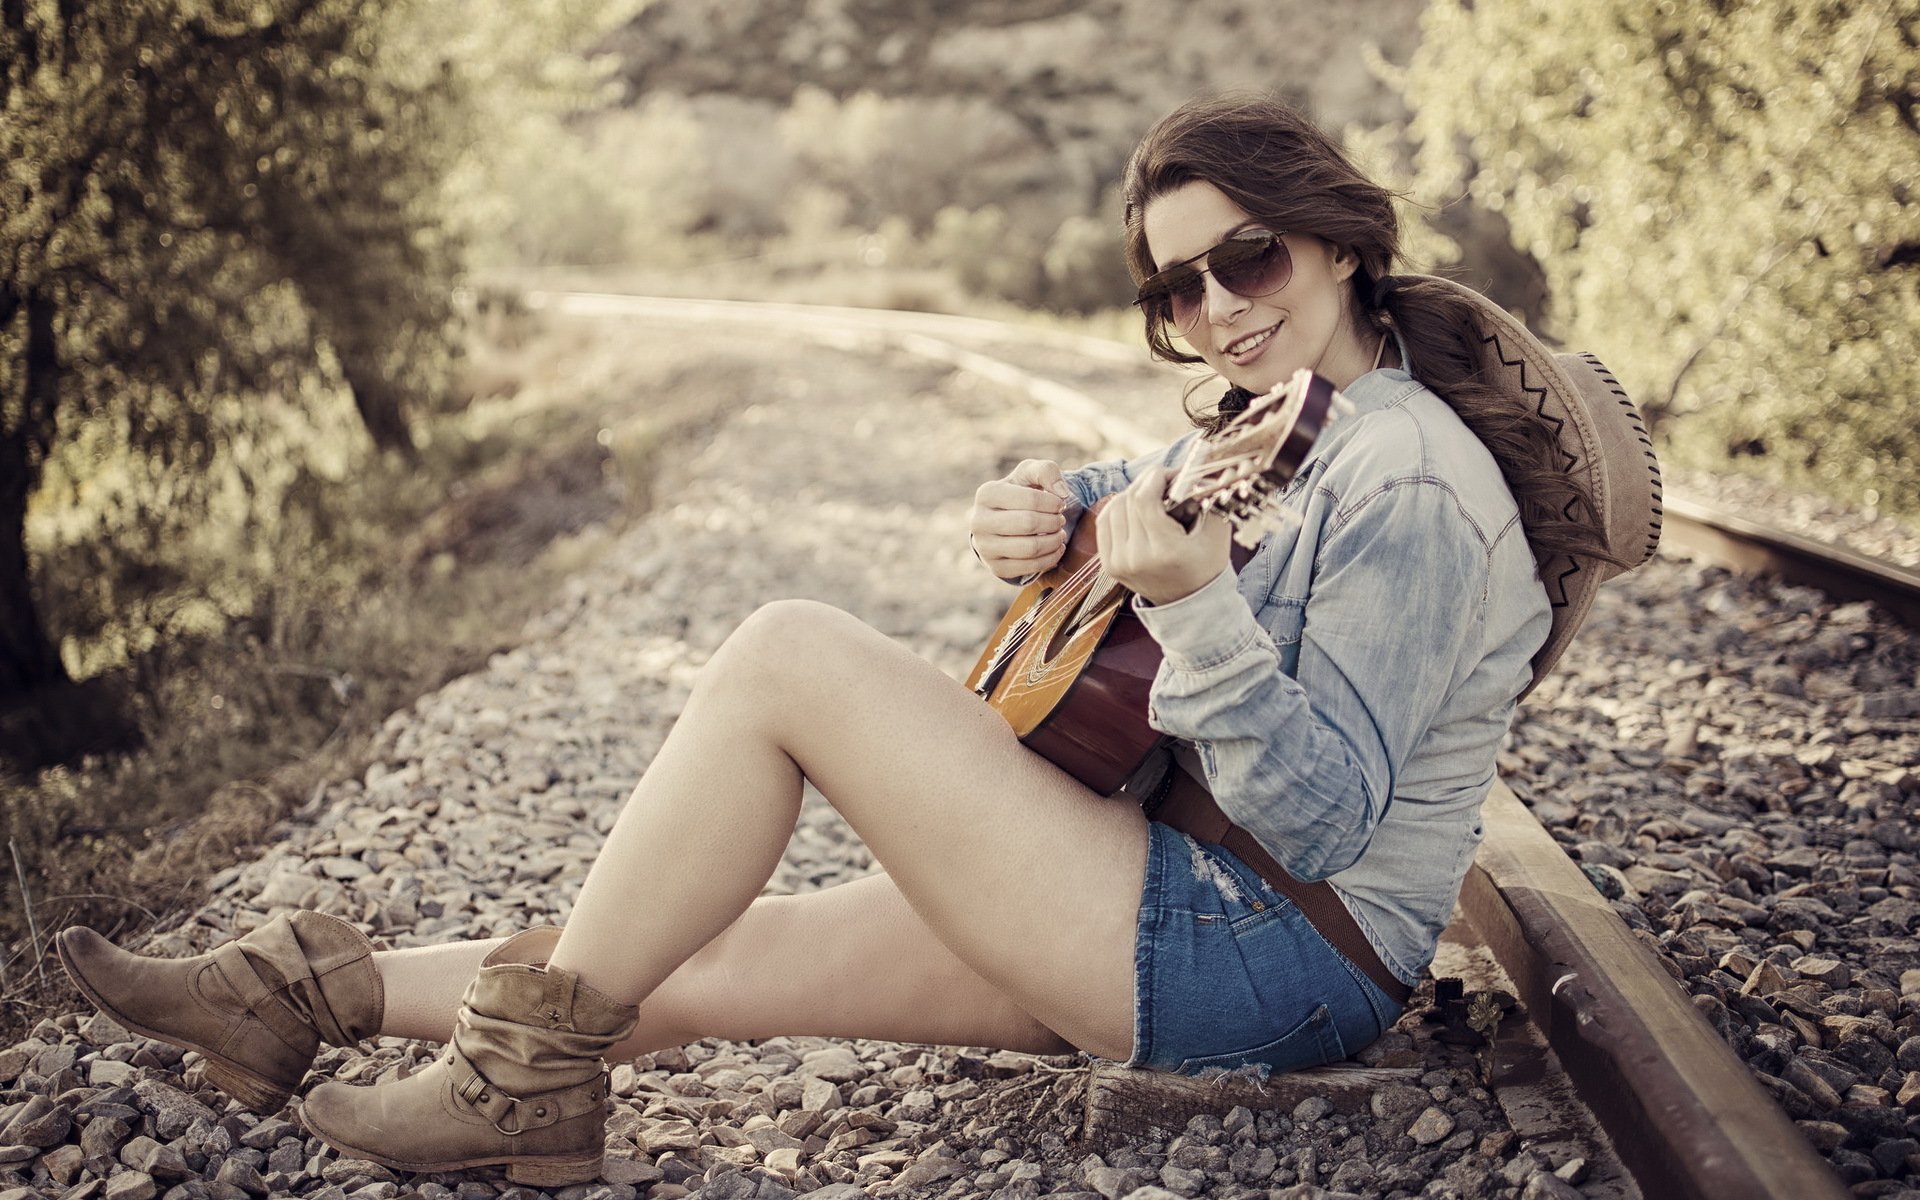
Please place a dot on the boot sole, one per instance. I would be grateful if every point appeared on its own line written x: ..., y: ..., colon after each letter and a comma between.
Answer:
x: 255, y: 1091
x: 544, y: 1171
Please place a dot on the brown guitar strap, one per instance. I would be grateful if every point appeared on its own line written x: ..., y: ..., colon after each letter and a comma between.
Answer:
x: 1188, y: 807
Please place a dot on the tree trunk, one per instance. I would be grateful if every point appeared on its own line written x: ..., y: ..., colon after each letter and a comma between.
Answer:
x: 44, y: 716
x: 379, y: 406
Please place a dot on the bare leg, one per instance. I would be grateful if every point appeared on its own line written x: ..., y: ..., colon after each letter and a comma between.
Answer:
x: 783, y: 968
x: 1027, y: 877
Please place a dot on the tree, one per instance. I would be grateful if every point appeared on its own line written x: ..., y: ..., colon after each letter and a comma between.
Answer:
x: 1725, y: 198
x: 218, y: 219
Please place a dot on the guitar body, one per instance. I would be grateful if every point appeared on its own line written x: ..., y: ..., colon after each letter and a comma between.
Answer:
x: 1075, y: 689
x: 1070, y: 667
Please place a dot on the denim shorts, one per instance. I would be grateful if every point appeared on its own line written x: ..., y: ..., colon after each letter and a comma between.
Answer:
x: 1229, y: 974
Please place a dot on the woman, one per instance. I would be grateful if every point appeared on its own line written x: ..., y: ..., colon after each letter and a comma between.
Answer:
x: 1342, y: 695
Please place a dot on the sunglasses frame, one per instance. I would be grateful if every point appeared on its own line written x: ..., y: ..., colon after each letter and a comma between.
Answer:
x: 1155, y: 298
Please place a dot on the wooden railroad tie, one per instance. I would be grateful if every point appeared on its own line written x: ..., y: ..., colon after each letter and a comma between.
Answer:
x: 1122, y: 1102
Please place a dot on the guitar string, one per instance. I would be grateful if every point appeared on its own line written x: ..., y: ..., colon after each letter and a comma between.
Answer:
x: 1068, y: 593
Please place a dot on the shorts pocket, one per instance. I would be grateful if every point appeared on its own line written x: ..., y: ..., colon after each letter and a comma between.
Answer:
x: 1308, y: 1044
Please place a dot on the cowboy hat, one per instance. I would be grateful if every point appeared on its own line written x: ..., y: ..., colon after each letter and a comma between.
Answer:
x: 1605, y: 444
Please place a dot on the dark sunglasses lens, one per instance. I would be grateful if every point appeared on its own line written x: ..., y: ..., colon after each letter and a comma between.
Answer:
x: 1252, y: 266
x: 1185, y: 296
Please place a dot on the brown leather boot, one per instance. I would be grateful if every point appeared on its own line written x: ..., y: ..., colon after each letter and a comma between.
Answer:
x: 257, y: 1007
x: 521, y: 1083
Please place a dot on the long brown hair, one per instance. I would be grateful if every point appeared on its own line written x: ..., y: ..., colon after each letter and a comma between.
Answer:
x: 1273, y: 162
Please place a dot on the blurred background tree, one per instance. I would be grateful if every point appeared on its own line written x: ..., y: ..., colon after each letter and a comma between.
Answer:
x: 1724, y: 199
x: 231, y: 229
x: 229, y: 235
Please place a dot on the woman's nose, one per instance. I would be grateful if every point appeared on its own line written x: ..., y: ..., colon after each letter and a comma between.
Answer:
x: 1222, y: 305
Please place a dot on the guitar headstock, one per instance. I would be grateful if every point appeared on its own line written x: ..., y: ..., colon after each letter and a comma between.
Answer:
x: 1238, y: 470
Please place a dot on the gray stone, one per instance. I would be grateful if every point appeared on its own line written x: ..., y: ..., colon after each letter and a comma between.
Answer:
x: 142, y: 1153
x: 131, y: 1185
x: 1115, y: 1183
x: 1544, y: 1186
x: 172, y: 1110
x: 1430, y: 1126
x: 40, y: 1123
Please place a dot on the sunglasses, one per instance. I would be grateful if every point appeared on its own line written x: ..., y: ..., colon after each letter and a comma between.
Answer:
x: 1251, y: 263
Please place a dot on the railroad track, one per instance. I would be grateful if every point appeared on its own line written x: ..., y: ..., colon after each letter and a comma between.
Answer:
x: 1745, y: 545
x: 1607, y: 1050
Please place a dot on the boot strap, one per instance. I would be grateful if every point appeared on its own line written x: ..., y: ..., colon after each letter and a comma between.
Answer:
x: 261, y: 999
x: 512, y: 1115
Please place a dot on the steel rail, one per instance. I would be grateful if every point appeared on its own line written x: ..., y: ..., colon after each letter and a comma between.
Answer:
x: 1745, y: 545
x: 1685, y: 1115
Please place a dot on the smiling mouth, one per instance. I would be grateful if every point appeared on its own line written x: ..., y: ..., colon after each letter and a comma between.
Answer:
x: 1252, y: 341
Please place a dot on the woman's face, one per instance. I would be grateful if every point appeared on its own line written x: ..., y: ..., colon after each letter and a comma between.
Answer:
x: 1258, y: 342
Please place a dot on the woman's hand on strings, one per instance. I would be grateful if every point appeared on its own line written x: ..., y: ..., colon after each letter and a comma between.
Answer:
x: 1018, y: 526
x: 1149, y: 552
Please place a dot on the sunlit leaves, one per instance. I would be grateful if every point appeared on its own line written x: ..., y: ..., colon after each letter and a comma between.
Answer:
x: 1718, y: 194
x: 242, y: 220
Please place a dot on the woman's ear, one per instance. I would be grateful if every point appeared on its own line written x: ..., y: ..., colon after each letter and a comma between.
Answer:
x: 1345, y: 262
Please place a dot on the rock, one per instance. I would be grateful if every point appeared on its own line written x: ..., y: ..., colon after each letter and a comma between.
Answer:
x: 162, y: 1162
x: 662, y: 1136
x: 834, y: 1064
x: 1889, y: 705
x: 1430, y: 1126
x: 1115, y: 1183
x: 626, y: 1169
x: 269, y: 1133
x: 1544, y: 1186
x: 1397, y: 1103
x: 63, y: 1162
x: 172, y: 1110
x: 39, y: 1123
x: 1823, y: 1135
x: 925, y: 1171
x: 131, y: 1185
x: 1313, y: 1108
x: 820, y: 1095
x: 1828, y: 971
x: 1802, y: 1076
x: 241, y: 1175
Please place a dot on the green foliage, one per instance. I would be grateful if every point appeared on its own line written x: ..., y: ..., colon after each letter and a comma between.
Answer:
x: 1723, y: 197
x: 229, y: 235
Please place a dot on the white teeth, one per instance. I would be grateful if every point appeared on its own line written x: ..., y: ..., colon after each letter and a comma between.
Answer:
x: 1247, y: 343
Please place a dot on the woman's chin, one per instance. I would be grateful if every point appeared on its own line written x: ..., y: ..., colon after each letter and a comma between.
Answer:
x: 1258, y: 379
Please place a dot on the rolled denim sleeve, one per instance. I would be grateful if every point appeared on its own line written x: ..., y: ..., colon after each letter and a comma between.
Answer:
x: 1096, y: 481
x: 1307, y: 763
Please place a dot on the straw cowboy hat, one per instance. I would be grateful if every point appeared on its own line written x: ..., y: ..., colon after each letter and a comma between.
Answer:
x: 1605, y: 443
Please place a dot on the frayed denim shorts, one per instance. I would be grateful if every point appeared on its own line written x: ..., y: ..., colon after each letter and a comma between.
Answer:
x: 1230, y: 975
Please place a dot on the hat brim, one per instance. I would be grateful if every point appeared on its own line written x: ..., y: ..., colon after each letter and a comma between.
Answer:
x: 1603, y: 441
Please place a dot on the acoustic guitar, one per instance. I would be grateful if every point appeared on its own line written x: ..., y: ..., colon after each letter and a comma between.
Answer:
x: 1070, y: 666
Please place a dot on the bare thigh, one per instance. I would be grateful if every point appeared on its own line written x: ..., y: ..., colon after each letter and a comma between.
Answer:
x: 1029, y: 878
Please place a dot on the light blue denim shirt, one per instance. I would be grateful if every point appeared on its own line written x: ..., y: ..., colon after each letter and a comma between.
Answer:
x: 1348, y: 690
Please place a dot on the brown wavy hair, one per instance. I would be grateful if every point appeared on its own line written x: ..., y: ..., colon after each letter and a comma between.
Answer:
x: 1273, y: 162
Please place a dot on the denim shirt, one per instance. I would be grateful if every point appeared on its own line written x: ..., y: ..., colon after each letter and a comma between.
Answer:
x: 1347, y: 691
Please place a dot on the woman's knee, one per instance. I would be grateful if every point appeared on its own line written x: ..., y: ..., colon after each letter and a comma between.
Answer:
x: 779, y: 645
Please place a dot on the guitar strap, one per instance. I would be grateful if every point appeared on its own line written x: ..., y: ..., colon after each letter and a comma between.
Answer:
x: 1183, y: 802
